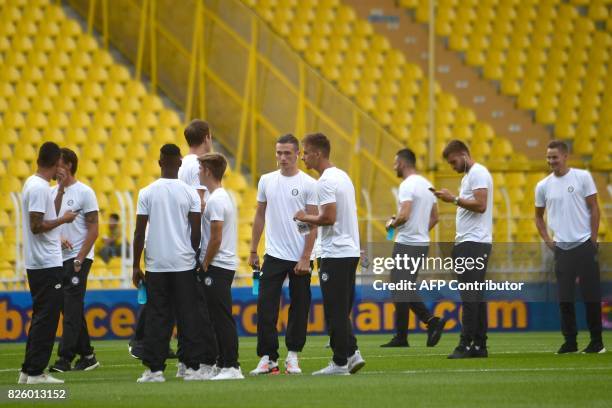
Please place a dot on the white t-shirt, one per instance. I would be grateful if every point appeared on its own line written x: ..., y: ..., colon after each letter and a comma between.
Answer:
x: 340, y: 240
x: 564, y: 199
x: 415, y: 231
x: 219, y: 207
x: 77, y: 197
x: 473, y: 226
x: 168, y: 203
x: 189, y: 172
x: 42, y: 250
x: 284, y: 196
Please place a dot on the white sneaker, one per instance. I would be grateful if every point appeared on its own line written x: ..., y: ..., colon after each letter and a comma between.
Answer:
x: 355, y: 362
x: 23, y: 378
x: 333, y: 369
x: 43, y: 379
x: 205, y: 372
x: 265, y: 366
x: 180, y: 370
x: 148, y: 376
x: 292, y: 366
x: 215, y: 370
x: 229, y: 373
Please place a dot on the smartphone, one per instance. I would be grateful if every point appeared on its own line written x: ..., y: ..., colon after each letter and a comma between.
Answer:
x: 433, y: 190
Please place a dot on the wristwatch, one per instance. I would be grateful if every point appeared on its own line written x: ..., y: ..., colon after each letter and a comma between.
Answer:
x: 77, y: 262
x: 456, y: 200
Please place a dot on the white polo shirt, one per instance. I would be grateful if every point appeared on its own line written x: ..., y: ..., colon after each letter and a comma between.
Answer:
x: 473, y: 226
x: 564, y: 199
x: 340, y: 240
x: 168, y: 203
x: 415, y: 231
x: 284, y: 196
x: 42, y: 250
x: 219, y: 207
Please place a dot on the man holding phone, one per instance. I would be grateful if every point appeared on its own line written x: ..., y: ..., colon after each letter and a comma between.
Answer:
x: 473, y: 239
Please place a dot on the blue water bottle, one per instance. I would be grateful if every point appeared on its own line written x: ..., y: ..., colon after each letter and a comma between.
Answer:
x: 391, y: 231
x: 142, y: 293
x: 256, y: 275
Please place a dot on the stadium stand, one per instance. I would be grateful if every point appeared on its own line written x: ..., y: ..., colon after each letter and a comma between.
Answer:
x: 58, y: 84
x: 552, y: 55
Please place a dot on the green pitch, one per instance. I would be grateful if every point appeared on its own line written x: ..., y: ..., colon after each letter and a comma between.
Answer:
x: 522, y: 370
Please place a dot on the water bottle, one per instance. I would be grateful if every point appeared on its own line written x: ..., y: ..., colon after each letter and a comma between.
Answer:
x: 142, y: 293
x: 256, y: 275
x: 391, y: 230
x: 390, y: 233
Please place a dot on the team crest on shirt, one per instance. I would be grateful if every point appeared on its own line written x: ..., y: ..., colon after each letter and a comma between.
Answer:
x: 324, y: 277
x: 208, y: 281
x: 58, y: 286
x: 295, y: 192
x: 70, y: 202
x: 570, y: 189
x: 75, y: 280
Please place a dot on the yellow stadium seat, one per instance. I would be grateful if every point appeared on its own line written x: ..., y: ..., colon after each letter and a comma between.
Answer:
x: 131, y: 168
x: 93, y: 151
x: 583, y: 146
x: 19, y: 168
x: 123, y: 183
x: 87, y: 169
x: 24, y: 151
x: 108, y: 168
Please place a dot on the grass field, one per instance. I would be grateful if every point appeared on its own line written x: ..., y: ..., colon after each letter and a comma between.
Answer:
x: 522, y: 370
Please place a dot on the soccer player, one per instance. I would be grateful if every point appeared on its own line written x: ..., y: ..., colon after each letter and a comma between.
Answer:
x: 78, y: 240
x: 199, y: 139
x: 43, y: 261
x: 219, y: 263
x: 417, y: 214
x: 280, y: 195
x: 473, y: 239
x: 171, y: 208
x: 570, y: 197
x: 339, y: 253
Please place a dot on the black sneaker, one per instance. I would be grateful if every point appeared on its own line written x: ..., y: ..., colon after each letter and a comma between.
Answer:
x: 172, y: 354
x: 86, y: 364
x: 61, y: 366
x: 594, y: 347
x: 397, y: 342
x: 460, y: 351
x: 435, y: 328
x: 136, y: 349
x: 568, y: 347
x: 479, y: 352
